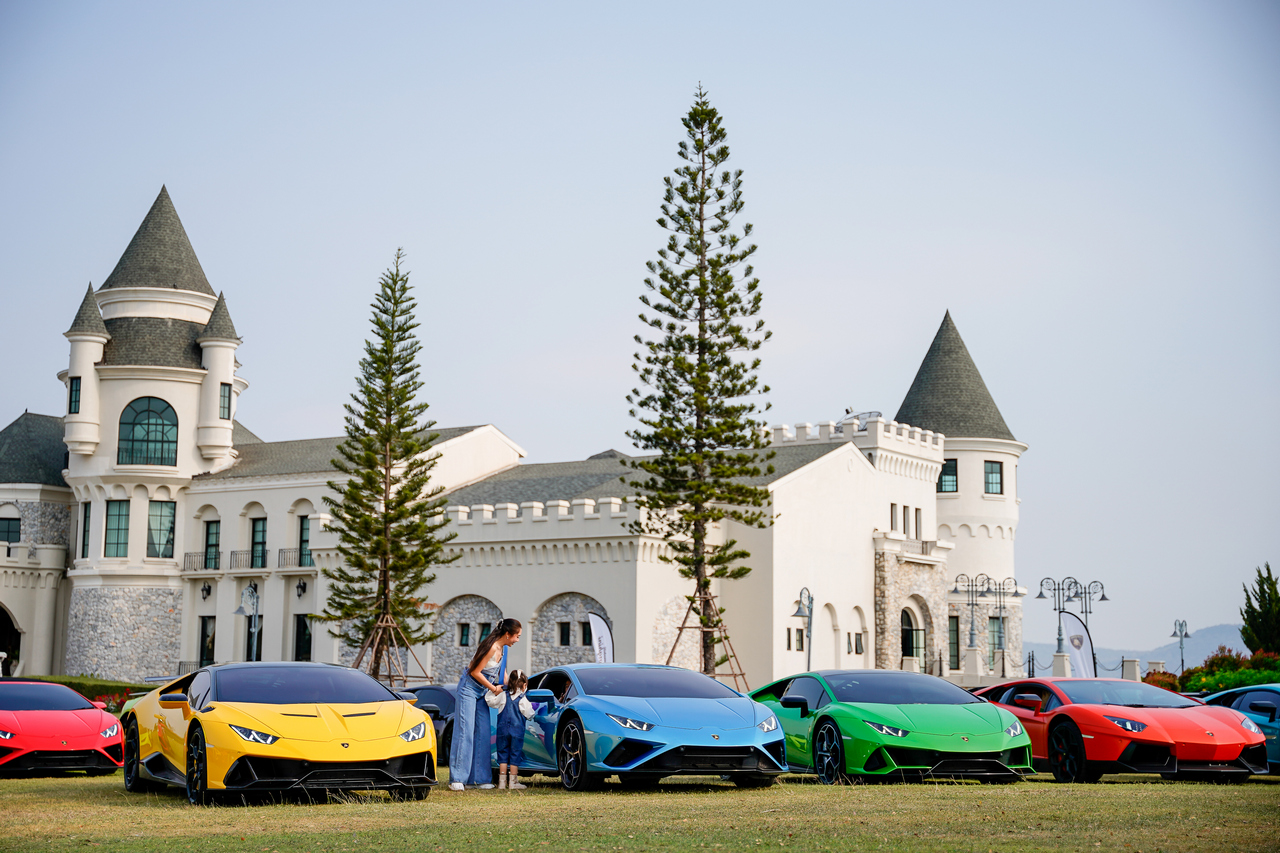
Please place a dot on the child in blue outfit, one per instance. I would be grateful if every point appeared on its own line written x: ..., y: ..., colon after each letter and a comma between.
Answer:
x: 511, y: 731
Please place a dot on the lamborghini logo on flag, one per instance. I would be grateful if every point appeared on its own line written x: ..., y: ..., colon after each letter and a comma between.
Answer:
x: 1077, y: 642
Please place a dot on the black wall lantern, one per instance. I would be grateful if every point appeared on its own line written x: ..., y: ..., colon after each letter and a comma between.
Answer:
x: 301, y: 588
x: 205, y: 589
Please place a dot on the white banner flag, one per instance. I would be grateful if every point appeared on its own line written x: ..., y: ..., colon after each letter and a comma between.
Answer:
x: 1079, y: 645
x: 601, y: 638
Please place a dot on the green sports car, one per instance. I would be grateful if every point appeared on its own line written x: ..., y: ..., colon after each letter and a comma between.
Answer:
x: 885, y: 724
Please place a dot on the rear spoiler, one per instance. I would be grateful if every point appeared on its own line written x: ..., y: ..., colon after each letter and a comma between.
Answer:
x: 159, y: 679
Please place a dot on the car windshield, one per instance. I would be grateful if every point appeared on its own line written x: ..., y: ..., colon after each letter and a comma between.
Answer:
x: 1131, y: 694
x: 293, y: 685
x: 29, y: 696
x: 896, y: 688
x: 651, y: 683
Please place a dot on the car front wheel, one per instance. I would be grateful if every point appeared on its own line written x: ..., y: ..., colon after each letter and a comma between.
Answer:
x: 197, y: 770
x: 1067, y: 755
x: 571, y: 758
x: 133, y: 781
x: 828, y: 754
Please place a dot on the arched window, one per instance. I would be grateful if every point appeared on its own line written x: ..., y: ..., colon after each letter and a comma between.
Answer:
x: 148, y: 433
x: 912, y: 642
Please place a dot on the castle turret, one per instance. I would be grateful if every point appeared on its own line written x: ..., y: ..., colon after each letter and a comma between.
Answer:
x: 218, y: 342
x: 977, y: 491
x: 88, y: 335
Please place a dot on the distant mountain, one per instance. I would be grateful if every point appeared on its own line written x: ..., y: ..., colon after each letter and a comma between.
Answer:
x: 1197, y: 647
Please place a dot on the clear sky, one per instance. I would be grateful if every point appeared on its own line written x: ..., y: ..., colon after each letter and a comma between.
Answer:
x: 1092, y: 189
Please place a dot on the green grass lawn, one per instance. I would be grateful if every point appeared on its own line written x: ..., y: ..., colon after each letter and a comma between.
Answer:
x: 1131, y: 814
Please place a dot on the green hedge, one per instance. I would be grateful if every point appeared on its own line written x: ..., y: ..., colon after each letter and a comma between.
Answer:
x: 1215, y: 681
x: 114, y: 693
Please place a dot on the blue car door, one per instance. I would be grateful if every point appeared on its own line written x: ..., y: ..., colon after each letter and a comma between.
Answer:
x: 540, y: 732
x: 1267, y: 721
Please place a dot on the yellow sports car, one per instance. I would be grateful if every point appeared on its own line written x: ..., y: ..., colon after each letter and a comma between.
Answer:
x: 247, y: 727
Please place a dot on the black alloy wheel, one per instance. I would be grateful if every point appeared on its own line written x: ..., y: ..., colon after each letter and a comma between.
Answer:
x: 571, y: 758
x: 133, y: 781
x: 197, y: 770
x: 828, y: 754
x: 1067, y: 755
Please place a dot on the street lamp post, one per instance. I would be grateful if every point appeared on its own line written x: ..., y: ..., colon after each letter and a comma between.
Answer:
x: 975, y: 588
x: 1007, y: 587
x: 250, y: 592
x: 1061, y: 594
x: 1180, y: 631
x: 1084, y: 594
x: 805, y: 612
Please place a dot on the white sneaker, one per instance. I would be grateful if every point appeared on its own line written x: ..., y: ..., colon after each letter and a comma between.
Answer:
x: 457, y: 786
x: 487, y: 786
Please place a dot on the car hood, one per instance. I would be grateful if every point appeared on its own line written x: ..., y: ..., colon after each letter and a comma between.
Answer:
x: 973, y: 718
x: 87, y: 721
x: 313, y: 722
x: 1183, y: 725
x: 726, y: 714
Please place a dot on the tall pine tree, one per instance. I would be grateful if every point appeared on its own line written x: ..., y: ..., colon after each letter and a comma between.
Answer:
x: 700, y: 373
x: 388, y: 517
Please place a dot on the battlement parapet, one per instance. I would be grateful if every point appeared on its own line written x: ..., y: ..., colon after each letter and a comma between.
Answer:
x: 868, y: 433
x: 588, y: 517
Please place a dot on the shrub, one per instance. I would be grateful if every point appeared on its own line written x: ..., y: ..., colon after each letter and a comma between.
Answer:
x: 1215, y: 681
x: 1167, y: 680
x: 1265, y: 661
x: 1224, y: 659
x: 1187, y: 675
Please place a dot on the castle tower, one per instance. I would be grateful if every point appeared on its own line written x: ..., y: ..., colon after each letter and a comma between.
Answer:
x: 977, y: 492
x: 151, y: 390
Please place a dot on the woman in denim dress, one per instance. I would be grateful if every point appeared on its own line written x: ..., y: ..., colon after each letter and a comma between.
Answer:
x: 470, y: 756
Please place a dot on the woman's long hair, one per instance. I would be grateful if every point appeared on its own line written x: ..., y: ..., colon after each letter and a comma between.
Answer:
x: 505, y: 628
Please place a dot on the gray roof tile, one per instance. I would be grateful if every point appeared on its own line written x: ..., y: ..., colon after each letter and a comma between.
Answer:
x: 31, y: 451
x: 948, y: 394
x: 599, y: 477
x: 160, y: 255
x: 152, y: 341
x: 89, y: 317
x: 219, y: 325
x: 304, y: 456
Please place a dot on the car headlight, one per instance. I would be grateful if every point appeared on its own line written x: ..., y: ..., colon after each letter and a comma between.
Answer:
x: 628, y: 723
x: 887, y: 730
x: 5, y: 735
x: 1250, y: 726
x: 1014, y: 730
x: 1127, y: 724
x: 768, y: 725
x: 416, y: 733
x: 254, y: 736
x: 111, y: 732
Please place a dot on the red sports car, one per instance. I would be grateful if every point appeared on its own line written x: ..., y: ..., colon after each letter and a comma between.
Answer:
x: 1082, y: 728
x: 47, y: 727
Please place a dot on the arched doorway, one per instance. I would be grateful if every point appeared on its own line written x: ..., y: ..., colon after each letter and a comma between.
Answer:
x: 10, y: 640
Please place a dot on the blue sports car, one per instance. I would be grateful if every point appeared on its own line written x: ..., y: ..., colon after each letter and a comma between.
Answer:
x: 643, y: 722
x: 1258, y: 703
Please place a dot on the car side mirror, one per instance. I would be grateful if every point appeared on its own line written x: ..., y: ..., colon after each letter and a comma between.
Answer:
x: 101, y: 706
x: 798, y: 702
x: 1268, y: 708
x: 544, y: 696
x: 1030, y: 701
x: 433, y: 711
x: 173, y: 700
x: 411, y: 698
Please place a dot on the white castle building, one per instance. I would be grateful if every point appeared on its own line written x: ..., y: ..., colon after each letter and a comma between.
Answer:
x: 131, y: 525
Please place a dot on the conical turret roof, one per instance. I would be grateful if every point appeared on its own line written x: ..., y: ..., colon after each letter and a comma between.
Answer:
x: 160, y: 255
x: 948, y: 394
x: 89, y: 318
x: 219, y: 325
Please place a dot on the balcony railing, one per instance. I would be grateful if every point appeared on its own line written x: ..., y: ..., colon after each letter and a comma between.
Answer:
x: 254, y: 559
x: 295, y: 558
x: 918, y: 546
x: 194, y: 561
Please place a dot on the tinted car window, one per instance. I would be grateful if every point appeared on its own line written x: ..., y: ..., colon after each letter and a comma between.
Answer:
x: 897, y: 688
x: 285, y: 685
x: 645, y: 682
x: 1256, y: 696
x: 1131, y: 693
x: 437, y: 696
x: 31, y: 696
x: 810, y: 689
x: 198, y: 694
